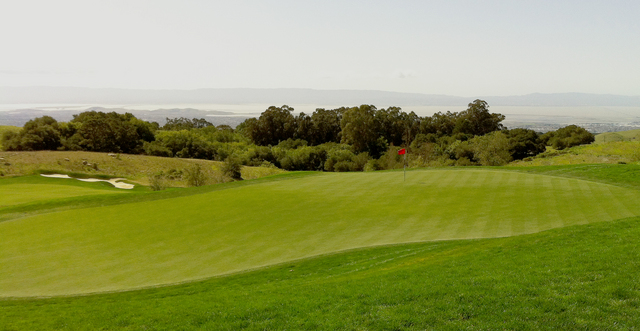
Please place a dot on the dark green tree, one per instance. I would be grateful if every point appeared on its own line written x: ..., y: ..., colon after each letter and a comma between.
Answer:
x: 109, y: 132
x: 477, y: 120
x: 41, y: 133
x: 361, y: 130
x: 568, y: 136
x: 273, y: 126
x: 524, y: 143
x: 326, y: 125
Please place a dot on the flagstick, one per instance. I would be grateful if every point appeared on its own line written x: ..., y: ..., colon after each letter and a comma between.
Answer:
x: 405, y: 167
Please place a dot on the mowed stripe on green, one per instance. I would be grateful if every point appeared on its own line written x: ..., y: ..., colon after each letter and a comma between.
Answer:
x: 175, y: 240
x: 15, y: 194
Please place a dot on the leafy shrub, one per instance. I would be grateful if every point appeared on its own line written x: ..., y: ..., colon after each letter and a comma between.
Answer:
x: 568, y: 136
x: 232, y: 168
x: 195, y: 176
x: 157, y: 182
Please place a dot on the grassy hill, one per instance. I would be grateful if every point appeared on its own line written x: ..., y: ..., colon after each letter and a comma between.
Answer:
x: 136, y: 168
x: 631, y: 135
x: 149, y: 243
x: 602, y: 153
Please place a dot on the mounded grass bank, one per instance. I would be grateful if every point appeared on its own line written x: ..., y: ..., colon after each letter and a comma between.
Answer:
x: 574, y: 278
x: 630, y: 135
x: 193, y: 237
x: 603, y: 153
x: 137, y: 168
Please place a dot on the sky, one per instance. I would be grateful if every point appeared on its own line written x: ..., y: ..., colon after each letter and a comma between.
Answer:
x: 462, y: 48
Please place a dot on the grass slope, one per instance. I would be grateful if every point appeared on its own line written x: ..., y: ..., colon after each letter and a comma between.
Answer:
x: 603, y: 153
x: 631, y: 135
x: 136, y: 168
x: 574, y: 278
x: 193, y: 237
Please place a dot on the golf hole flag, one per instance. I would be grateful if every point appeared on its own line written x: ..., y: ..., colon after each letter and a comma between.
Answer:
x: 402, y: 151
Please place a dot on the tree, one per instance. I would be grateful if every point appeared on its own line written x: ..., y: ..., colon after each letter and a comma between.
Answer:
x: 361, y: 130
x: 491, y: 149
x: 273, y: 126
x: 568, y: 136
x: 440, y: 124
x: 326, y: 125
x: 184, y: 123
x: 524, y: 143
x: 477, y: 120
x: 41, y: 133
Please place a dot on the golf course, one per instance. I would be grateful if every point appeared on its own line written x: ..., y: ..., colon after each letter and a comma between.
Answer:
x: 316, y: 250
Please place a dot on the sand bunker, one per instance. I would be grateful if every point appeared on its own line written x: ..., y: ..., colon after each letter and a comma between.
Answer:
x: 112, y: 181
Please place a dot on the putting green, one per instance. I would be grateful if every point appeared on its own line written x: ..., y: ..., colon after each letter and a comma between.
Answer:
x: 15, y: 194
x: 182, y: 239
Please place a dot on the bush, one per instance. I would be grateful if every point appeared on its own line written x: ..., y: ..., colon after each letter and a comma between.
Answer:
x: 195, y: 176
x: 157, y: 182
x: 568, y: 136
x: 491, y: 149
x: 232, y: 168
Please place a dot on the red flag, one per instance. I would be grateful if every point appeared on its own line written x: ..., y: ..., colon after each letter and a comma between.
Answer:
x: 402, y: 151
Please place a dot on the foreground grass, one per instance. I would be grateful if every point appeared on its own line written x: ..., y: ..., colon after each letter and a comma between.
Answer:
x: 193, y: 237
x: 575, y: 278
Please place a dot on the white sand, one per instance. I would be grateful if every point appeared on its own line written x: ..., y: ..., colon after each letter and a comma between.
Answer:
x: 112, y: 181
x: 55, y: 176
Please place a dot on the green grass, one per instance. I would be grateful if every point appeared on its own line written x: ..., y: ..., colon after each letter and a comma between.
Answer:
x: 631, y: 135
x: 22, y: 193
x: 136, y: 168
x: 138, y: 194
x: 626, y: 175
x: 617, y: 152
x: 574, y: 278
x: 192, y: 237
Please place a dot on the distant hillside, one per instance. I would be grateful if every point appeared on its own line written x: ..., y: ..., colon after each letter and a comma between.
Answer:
x: 19, y: 117
x: 96, y: 96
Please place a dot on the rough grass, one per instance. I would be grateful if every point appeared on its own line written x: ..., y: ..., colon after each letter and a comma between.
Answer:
x: 574, y: 278
x: 186, y: 238
x: 137, y: 168
x: 603, y: 153
x: 631, y: 135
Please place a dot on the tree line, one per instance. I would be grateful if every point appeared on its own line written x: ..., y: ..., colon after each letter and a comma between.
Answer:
x: 342, y: 139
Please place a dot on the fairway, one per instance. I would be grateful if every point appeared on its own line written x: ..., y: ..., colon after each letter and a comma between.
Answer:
x: 175, y: 240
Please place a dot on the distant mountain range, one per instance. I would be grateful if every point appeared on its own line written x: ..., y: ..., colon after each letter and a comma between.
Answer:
x: 106, y: 96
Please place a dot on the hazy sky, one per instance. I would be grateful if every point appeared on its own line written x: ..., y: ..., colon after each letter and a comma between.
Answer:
x: 463, y: 48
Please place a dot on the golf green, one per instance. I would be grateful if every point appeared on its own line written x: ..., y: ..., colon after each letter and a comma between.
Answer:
x: 176, y: 240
